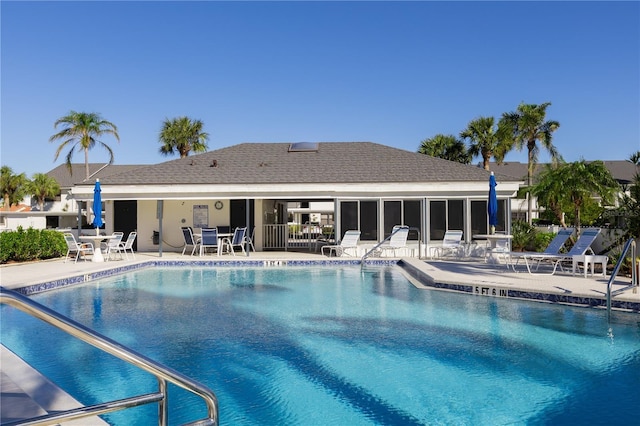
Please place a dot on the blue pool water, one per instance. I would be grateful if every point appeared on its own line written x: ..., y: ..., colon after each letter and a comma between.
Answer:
x: 339, y: 346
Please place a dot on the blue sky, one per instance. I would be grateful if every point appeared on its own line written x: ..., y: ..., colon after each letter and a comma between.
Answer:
x: 393, y: 73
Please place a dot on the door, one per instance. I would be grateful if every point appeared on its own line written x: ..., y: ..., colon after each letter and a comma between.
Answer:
x: 125, y: 218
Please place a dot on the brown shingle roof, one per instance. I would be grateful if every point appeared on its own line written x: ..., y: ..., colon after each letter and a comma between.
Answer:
x: 66, y: 180
x: 334, y: 162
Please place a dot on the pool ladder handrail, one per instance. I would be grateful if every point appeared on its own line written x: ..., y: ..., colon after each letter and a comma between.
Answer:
x: 381, y: 243
x: 629, y: 245
x: 162, y: 373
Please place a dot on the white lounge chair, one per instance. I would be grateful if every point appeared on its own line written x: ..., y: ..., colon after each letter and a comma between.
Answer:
x: 397, y: 241
x: 349, y: 242
x: 554, y: 247
x: 73, y: 246
x: 580, y: 248
x: 451, y: 244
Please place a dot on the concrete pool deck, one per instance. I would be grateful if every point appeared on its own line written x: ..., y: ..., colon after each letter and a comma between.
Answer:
x: 18, y: 381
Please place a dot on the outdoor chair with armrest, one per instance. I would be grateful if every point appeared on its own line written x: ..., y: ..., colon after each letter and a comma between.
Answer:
x: 237, y: 240
x: 349, y: 242
x: 554, y: 248
x: 127, y: 245
x: 209, y: 239
x: 189, y: 240
x: 73, y: 246
x: 112, y: 244
x: 580, y: 248
x: 451, y: 244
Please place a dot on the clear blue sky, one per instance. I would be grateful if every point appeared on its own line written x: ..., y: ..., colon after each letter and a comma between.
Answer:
x: 393, y: 73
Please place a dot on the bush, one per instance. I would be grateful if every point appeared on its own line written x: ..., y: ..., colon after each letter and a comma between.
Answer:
x: 523, y: 236
x: 32, y: 244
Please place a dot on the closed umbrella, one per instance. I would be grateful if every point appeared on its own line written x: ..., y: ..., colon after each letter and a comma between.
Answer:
x: 492, y: 206
x: 97, y: 207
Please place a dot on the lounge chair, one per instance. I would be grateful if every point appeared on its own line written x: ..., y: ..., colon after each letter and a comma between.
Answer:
x: 127, y: 245
x: 112, y: 244
x: 580, y: 248
x: 451, y: 244
x: 397, y: 241
x: 349, y: 242
x: 554, y: 247
x: 209, y: 240
x: 73, y: 246
x: 189, y: 240
x: 238, y: 240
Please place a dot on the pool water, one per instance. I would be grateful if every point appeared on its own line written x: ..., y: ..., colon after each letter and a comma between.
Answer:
x: 339, y: 346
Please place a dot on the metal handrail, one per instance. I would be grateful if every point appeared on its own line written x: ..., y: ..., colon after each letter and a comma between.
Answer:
x: 382, y: 242
x: 630, y: 244
x: 162, y: 373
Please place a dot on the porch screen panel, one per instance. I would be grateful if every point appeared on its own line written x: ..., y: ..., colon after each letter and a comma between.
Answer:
x: 455, y: 215
x: 412, y: 217
x: 479, y: 218
x: 348, y: 217
x: 437, y: 219
x: 392, y: 216
x: 369, y: 220
x: 502, y: 216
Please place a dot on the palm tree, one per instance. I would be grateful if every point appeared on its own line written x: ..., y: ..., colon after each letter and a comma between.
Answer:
x: 486, y: 140
x: 581, y: 181
x: 182, y: 135
x: 42, y: 186
x: 447, y: 147
x: 548, y: 190
x: 527, y: 127
x: 12, y: 186
x: 635, y: 158
x: 81, y: 130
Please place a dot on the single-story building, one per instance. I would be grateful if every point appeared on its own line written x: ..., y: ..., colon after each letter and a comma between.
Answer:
x: 370, y: 187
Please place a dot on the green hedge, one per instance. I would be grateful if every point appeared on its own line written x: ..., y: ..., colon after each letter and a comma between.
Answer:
x: 32, y: 244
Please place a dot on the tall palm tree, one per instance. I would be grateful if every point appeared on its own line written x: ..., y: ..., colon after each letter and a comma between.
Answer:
x: 635, y: 158
x: 447, y: 147
x: 12, y: 186
x: 182, y: 135
x: 82, y: 130
x: 42, y: 186
x: 527, y: 127
x: 486, y: 140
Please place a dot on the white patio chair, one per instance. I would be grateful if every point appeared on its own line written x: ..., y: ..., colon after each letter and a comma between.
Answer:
x: 127, y: 245
x: 111, y: 246
x: 349, y: 242
x: 73, y: 246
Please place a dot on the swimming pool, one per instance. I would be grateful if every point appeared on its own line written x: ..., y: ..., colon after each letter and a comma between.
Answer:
x: 318, y: 346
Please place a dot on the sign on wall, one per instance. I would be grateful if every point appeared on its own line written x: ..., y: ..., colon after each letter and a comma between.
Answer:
x: 200, y: 216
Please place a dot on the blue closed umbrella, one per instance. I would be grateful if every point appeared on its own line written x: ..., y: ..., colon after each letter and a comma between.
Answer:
x: 492, y: 206
x: 97, y: 206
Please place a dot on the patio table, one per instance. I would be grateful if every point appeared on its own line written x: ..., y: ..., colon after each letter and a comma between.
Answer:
x: 96, y: 239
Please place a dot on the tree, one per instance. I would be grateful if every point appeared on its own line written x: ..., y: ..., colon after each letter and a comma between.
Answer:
x: 526, y: 127
x: 635, y: 158
x: 182, y: 135
x: 13, y: 186
x: 548, y: 191
x: 447, y: 147
x: 42, y: 186
x: 486, y: 140
x: 82, y: 130
x: 575, y: 184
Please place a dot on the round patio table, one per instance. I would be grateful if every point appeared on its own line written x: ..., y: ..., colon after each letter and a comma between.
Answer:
x: 96, y: 239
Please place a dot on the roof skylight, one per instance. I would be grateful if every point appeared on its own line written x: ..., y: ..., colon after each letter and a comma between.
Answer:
x: 304, y: 147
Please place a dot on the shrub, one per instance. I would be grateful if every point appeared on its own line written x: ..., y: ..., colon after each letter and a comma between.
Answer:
x: 32, y: 244
x: 523, y: 236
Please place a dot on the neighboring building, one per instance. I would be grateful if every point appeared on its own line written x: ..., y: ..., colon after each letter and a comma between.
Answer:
x: 370, y: 187
x: 621, y: 170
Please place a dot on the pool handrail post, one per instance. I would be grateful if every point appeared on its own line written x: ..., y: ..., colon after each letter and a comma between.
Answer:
x: 105, y: 344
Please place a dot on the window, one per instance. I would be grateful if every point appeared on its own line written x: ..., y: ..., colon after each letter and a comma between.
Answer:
x: 369, y: 220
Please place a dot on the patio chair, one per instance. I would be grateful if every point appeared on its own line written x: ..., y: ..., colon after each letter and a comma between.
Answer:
x: 73, y: 246
x: 189, y: 240
x: 238, y: 240
x: 127, y: 245
x: 349, y: 242
x: 249, y: 239
x: 397, y: 241
x: 554, y: 247
x: 112, y: 245
x: 209, y: 240
x: 451, y: 244
x: 580, y: 248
